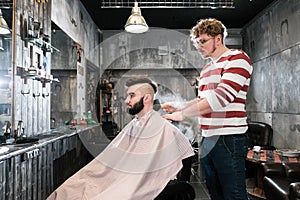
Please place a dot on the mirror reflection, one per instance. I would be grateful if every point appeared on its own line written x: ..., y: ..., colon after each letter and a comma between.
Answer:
x: 64, y: 68
x: 5, y: 71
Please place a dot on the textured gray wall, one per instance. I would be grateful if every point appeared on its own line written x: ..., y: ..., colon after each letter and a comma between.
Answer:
x: 272, y: 40
x: 166, y: 56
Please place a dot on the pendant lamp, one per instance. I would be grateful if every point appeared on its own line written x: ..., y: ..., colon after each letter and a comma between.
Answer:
x: 4, y: 29
x: 136, y: 22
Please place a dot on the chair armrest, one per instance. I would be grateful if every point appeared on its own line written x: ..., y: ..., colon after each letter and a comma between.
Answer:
x: 273, y: 169
x: 276, y: 187
x: 292, y: 171
x: 294, y: 190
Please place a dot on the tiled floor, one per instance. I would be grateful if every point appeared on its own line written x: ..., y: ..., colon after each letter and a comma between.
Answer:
x: 200, y: 189
x: 197, y: 181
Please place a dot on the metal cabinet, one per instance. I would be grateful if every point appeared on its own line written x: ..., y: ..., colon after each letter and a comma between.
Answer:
x: 26, y: 176
x: 34, y: 174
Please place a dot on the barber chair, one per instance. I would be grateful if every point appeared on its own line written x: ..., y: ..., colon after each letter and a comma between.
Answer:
x: 259, y: 134
x: 281, y: 181
x: 179, y: 189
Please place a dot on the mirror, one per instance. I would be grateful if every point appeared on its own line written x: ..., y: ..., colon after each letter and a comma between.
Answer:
x: 5, y: 73
x: 63, y: 67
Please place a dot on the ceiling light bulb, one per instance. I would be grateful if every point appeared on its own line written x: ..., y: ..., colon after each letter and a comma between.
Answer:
x: 136, y: 22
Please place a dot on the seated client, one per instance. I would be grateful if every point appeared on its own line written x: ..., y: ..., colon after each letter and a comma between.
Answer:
x: 139, y: 163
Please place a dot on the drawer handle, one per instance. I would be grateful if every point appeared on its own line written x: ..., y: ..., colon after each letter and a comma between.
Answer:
x: 30, y: 154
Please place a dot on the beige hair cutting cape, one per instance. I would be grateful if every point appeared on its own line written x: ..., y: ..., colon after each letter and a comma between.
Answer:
x: 136, y: 165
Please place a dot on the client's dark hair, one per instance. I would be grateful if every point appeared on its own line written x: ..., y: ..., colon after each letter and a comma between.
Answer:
x: 134, y: 81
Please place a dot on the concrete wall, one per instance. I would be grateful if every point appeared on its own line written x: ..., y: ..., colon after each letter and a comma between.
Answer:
x: 166, y: 56
x: 272, y: 40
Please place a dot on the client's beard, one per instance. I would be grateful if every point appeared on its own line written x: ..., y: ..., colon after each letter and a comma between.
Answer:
x: 137, y: 107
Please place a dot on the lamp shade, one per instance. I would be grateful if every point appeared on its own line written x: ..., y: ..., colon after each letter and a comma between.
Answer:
x: 136, y: 22
x: 4, y: 29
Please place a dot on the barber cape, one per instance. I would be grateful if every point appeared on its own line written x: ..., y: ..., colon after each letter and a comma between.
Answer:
x: 136, y: 165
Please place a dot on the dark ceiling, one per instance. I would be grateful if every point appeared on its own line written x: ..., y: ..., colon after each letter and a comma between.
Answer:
x: 175, y: 18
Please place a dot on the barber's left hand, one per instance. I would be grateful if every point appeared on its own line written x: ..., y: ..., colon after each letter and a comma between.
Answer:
x: 169, y: 107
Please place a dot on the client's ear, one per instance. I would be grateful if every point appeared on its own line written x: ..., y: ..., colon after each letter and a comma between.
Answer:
x: 147, y: 98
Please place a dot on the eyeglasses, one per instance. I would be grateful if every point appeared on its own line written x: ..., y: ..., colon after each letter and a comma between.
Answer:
x: 201, y: 41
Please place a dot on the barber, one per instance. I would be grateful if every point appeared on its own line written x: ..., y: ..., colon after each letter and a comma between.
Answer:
x: 220, y: 106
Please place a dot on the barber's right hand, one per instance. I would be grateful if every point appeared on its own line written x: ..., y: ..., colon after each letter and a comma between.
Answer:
x: 168, y: 107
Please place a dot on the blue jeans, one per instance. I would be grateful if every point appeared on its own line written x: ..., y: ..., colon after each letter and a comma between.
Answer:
x: 223, y: 163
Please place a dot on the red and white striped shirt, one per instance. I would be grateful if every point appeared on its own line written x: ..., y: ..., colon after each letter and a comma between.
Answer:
x: 224, y: 83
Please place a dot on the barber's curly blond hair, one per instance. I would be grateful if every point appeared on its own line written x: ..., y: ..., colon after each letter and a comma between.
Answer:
x: 210, y: 26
